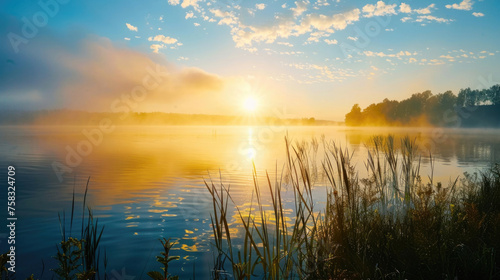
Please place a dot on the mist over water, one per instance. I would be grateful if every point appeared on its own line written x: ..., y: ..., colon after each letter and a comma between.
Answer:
x: 148, y: 182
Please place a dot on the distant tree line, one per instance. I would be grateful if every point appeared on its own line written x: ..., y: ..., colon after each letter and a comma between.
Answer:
x: 74, y: 117
x: 426, y: 108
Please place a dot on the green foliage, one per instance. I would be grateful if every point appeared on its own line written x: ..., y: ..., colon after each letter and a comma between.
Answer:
x: 355, y: 117
x: 164, y: 259
x: 390, y: 225
x: 72, y: 117
x: 5, y: 274
x: 69, y: 255
x: 422, y: 108
x: 78, y: 258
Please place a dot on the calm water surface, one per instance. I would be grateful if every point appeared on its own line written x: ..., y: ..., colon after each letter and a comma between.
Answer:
x: 148, y: 182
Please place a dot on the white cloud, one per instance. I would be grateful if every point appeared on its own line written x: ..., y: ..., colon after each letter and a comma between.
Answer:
x: 227, y: 18
x: 449, y: 57
x: 126, y: 39
x: 323, y: 3
x: 424, y: 19
x: 131, y: 27
x: 435, y: 62
x: 464, y: 5
x: 318, y: 25
x: 189, y: 15
x: 380, y: 9
x: 301, y: 7
x: 174, y: 2
x: 260, y: 6
x: 196, y: 24
x: 156, y: 47
x: 227, y: 21
x: 429, y: 18
x: 316, y: 36
x: 405, y: 8
x: 164, y: 39
x: 285, y: 44
x: 394, y: 55
x: 192, y: 3
x: 425, y: 11
x: 286, y: 53
x: 100, y: 71
x: 478, y: 14
x: 331, y: 42
x: 336, y: 21
x: 315, y: 73
x: 292, y: 23
x: 352, y: 38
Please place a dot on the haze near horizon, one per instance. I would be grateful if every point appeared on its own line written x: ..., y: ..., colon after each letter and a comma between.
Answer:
x: 312, y: 58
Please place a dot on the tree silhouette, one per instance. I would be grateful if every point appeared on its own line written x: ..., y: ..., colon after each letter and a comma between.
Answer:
x: 422, y: 107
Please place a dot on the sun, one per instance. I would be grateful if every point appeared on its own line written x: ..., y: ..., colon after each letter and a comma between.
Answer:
x: 250, y: 104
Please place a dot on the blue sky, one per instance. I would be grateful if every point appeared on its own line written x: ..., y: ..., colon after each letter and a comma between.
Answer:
x: 314, y: 58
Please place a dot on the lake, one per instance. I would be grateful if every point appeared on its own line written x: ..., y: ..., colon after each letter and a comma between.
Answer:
x: 148, y: 182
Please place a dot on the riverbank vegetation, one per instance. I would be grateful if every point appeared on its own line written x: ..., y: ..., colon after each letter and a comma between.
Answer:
x: 74, y: 117
x: 393, y: 223
x: 470, y: 108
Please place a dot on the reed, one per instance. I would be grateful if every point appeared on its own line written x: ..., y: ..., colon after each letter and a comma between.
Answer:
x: 79, y: 258
x: 393, y: 224
x: 164, y: 259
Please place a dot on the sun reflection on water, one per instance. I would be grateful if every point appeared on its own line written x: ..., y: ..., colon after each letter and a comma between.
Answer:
x: 251, y: 151
x: 149, y: 183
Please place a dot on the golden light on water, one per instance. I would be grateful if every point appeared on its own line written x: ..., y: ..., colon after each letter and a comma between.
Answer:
x: 250, y: 152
